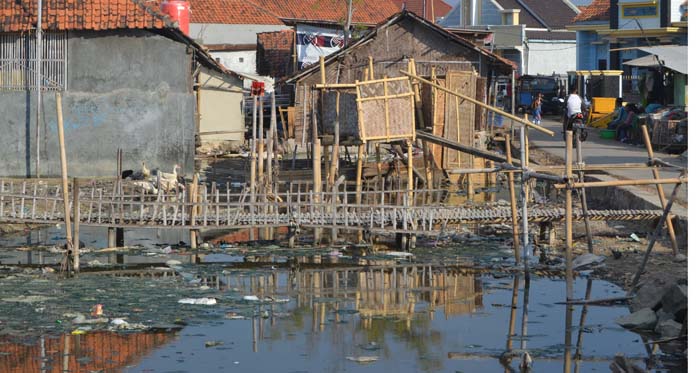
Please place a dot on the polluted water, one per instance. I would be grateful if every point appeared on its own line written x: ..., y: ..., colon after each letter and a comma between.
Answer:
x: 459, y: 307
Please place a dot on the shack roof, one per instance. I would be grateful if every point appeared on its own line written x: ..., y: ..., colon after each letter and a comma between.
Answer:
x: 396, y: 18
x: 98, y: 15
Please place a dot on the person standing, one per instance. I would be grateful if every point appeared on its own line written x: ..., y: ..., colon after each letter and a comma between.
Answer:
x: 536, y: 109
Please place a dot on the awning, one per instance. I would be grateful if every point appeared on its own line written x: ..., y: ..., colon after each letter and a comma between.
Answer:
x: 673, y: 57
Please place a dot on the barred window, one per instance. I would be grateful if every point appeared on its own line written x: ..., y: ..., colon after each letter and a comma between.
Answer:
x: 18, y: 61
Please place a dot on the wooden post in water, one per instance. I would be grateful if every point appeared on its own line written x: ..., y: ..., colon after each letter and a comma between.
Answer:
x: 583, y: 195
x: 260, y: 145
x: 660, y: 190
x: 358, y: 183
x: 513, y: 202
x: 316, y: 170
x: 252, y: 168
x: 569, y: 216
x: 76, y: 225
x: 64, y: 177
x: 193, y: 212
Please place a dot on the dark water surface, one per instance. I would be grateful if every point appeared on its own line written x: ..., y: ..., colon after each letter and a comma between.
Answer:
x: 410, y: 317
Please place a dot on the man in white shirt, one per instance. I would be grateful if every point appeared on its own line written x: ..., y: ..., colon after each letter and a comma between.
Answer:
x: 574, y: 104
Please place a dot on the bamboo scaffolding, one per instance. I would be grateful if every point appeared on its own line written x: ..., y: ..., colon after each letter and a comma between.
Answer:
x: 491, y: 108
x: 599, y: 184
x: 660, y: 190
x: 583, y: 196
x: 653, y: 239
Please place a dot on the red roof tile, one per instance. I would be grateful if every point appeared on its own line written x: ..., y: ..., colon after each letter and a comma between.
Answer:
x: 231, y: 12
x: 21, y: 15
x: 272, y: 12
x: 597, y: 11
x: 416, y: 6
x: 369, y: 12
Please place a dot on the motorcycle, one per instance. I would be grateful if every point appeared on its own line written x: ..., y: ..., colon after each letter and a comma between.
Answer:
x: 576, y: 123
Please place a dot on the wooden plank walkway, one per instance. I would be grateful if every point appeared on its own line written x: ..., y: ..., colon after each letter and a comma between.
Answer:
x: 122, y: 205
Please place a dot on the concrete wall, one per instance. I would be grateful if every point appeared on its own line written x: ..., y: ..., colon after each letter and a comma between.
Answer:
x: 589, y: 54
x: 119, y: 95
x: 231, y: 60
x: 547, y: 57
x: 213, y: 33
x: 221, y: 110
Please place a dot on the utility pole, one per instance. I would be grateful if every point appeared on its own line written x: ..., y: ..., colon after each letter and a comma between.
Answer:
x: 37, y: 72
x: 346, y: 27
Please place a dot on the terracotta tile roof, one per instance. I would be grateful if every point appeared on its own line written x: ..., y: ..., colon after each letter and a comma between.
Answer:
x: 274, y: 53
x: 416, y: 6
x: 597, y: 11
x: 365, y: 11
x: 231, y: 12
x: 21, y: 15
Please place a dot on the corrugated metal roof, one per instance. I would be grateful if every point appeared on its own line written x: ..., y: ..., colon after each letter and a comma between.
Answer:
x: 674, y: 57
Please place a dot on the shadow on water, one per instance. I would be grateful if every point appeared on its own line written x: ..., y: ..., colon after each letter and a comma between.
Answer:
x: 316, y: 317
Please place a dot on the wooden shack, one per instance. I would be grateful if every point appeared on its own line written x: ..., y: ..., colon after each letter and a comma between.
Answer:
x: 385, y: 51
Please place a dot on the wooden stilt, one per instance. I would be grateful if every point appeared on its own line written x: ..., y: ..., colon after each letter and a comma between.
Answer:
x: 64, y: 177
x: 513, y: 202
x: 76, y: 224
x: 358, y: 183
x: 193, y: 199
x: 569, y: 217
x: 660, y: 190
x: 583, y: 197
x: 260, y: 146
x: 252, y: 176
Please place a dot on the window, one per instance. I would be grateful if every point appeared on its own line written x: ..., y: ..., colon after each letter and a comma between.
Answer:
x: 18, y: 64
x: 602, y: 64
x: 241, y: 59
x: 639, y: 10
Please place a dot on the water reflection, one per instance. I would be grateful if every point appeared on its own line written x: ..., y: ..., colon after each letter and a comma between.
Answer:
x: 312, y: 316
x: 97, y: 351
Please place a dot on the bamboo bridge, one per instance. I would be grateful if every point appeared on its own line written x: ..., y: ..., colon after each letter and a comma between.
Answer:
x: 121, y: 205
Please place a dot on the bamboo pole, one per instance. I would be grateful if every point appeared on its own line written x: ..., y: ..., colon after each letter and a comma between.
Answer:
x: 336, y: 144
x: 260, y: 145
x: 416, y: 90
x: 569, y: 217
x: 491, y: 108
x: 371, y: 68
x: 252, y: 177
x: 653, y: 239
x: 513, y: 202
x: 660, y: 190
x: 523, y: 194
x: 358, y: 183
x: 599, y: 184
x: 76, y: 225
x: 583, y: 198
x: 409, y: 146
x: 64, y: 177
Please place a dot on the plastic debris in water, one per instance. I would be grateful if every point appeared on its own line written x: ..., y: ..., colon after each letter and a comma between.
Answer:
x: 251, y: 298
x: 363, y: 359
x: 97, y: 310
x: 202, y: 301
